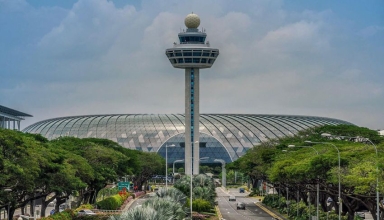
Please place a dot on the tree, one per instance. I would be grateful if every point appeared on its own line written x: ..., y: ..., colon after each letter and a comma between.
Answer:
x: 106, y: 162
x: 302, y: 168
x: 149, y: 164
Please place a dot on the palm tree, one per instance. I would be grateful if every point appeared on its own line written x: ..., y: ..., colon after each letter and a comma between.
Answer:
x: 174, y: 193
x: 167, y: 205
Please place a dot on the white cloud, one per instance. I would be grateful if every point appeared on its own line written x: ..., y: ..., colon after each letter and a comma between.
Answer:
x: 97, y: 58
x: 302, y: 36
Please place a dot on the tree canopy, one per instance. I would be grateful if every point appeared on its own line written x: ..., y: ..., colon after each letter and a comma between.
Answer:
x: 294, y: 162
x: 33, y: 167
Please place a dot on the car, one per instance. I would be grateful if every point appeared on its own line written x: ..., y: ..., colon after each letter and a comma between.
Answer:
x: 360, y: 214
x: 232, y: 198
x: 62, y: 207
x: 241, y: 190
x: 240, y: 205
x: 85, y: 212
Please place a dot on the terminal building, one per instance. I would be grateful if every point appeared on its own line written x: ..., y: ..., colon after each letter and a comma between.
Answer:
x: 221, y: 136
x: 10, y: 118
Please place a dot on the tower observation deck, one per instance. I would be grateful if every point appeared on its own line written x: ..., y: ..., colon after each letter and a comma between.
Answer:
x: 192, y: 54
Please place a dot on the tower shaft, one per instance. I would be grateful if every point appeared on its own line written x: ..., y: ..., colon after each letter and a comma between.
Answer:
x: 192, y: 54
x: 192, y: 115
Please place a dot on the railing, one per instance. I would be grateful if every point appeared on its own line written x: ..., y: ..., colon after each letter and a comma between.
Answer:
x: 102, y: 211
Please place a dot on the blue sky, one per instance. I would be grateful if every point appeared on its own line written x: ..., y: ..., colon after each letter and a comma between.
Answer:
x: 77, y: 57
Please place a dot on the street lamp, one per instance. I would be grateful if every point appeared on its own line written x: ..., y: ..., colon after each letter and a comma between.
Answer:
x: 377, y: 181
x: 9, y: 202
x: 317, y: 186
x: 166, y: 164
x: 173, y: 170
x: 287, y: 201
x: 223, y: 172
x: 338, y: 155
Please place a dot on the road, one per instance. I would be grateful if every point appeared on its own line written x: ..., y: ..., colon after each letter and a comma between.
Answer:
x: 139, y: 201
x: 228, y: 208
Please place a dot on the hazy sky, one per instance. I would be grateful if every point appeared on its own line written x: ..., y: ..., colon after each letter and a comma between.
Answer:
x: 77, y: 57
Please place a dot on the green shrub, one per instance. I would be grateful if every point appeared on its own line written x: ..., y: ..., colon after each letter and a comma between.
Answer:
x: 201, y: 205
x: 64, y: 215
x: 111, y: 203
x: 92, y: 217
x: 84, y: 206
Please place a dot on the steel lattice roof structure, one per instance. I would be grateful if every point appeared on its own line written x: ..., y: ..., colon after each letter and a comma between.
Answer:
x: 10, y: 118
x: 222, y: 136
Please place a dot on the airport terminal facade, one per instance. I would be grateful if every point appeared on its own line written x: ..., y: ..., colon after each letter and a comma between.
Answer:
x: 222, y: 136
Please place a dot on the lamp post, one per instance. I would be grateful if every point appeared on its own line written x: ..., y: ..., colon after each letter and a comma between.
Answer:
x: 166, y: 164
x: 224, y: 174
x: 338, y: 155
x: 377, y: 181
x: 317, y: 185
x: 173, y: 170
x: 297, y: 203
x: 176, y: 161
x: 287, y: 202
x: 9, y: 202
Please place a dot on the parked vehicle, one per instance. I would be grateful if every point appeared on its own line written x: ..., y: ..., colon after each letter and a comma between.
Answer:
x: 85, y: 212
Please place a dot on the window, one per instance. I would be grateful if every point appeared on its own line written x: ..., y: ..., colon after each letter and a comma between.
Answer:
x: 197, y: 53
x: 188, y: 60
x: 196, y: 60
x: 187, y: 53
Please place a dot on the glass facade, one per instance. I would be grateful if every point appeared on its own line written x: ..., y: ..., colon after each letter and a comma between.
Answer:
x: 222, y: 136
x: 195, y: 55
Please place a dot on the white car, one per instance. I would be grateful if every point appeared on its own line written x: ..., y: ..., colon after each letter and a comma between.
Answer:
x: 85, y: 212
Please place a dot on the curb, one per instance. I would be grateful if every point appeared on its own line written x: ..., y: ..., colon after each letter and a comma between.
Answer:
x: 218, y: 212
x: 275, y: 216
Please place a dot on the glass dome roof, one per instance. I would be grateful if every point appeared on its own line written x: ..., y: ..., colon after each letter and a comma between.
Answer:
x: 222, y: 136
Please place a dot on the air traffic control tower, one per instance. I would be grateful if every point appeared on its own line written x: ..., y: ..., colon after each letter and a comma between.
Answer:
x: 192, y: 54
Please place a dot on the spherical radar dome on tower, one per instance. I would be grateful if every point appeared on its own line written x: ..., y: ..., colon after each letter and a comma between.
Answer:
x: 192, y: 21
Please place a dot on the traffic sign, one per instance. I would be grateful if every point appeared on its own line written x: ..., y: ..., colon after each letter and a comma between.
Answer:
x: 122, y: 185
